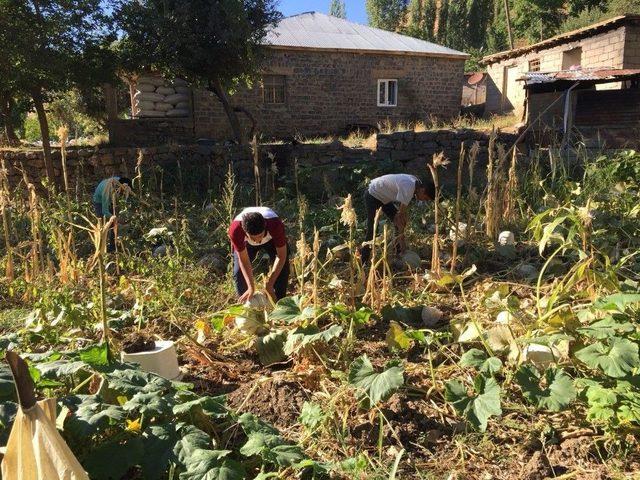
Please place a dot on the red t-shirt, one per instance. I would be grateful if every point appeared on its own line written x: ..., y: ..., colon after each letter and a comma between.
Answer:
x: 274, y: 230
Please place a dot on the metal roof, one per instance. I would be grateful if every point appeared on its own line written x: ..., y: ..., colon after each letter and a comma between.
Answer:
x: 318, y: 31
x: 592, y: 75
x: 563, y: 38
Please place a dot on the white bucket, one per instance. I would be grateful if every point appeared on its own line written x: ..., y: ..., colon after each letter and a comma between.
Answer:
x: 162, y: 360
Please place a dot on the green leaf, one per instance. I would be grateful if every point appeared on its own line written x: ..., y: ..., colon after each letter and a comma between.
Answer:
x: 602, y: 404
x: 192, y: 439
x: 95, y: 355
x: 212, y: 465
x: 478, y: 359
x: 478, y: 407
x: 150, y: 404
x: 8, y: 411
x: 617, y: 302
x: 304, y: 336
x: 7, y: 387
x: 271, y: 347
x: 91, y: 415
x: 374, y: 387
x: 402, y: 314
x: 60, y: 368
x: 130, y: 381
x: 159, y: 442
x: 617, y: 359
x: 606, y: 328
x: 265, y: 441
x: 291, y: 309
x: 396, y: 338
x: 112, y: 459
x: 311, y: 415
x: 191, y: 403
x: 558, y: 391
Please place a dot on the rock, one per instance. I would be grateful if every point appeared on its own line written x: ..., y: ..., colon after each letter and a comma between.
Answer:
x: 505, y: 318
x: 526, y: 271
x: 540, y: 355
x: 506, y: 238
x: 213, y: 262
x: 411, y: 259
x: 431, y: 316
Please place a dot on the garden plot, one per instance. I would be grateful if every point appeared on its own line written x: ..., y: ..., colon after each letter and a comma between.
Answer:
x: 493, y: 355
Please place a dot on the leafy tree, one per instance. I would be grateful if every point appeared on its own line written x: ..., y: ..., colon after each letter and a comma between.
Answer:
x: 50, y: 45
x: 338, y: 9
x: 386, y: 14
x: 217, y: 44
x: 535, y: 20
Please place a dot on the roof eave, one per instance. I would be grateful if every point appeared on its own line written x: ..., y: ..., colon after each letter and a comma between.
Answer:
x: 562, y: 38
x: 456, y: 56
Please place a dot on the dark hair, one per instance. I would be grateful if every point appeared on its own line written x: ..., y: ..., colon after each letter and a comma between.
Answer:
x: 428, y: 186
x: 125, y: 180
x: 253, y: 223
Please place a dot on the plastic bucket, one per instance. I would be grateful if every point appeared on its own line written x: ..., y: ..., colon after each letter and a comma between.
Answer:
x: 162, y: 360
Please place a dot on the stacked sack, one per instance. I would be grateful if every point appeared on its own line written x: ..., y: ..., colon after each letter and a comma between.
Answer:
x: 157, y: 97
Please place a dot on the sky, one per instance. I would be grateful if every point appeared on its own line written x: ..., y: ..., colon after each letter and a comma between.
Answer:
x: 356, y: 11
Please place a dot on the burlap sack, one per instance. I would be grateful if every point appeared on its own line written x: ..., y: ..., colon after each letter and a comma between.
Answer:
x: 36, y: 451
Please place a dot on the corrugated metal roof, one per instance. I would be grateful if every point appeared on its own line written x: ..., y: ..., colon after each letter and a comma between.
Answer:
x: 314, y: 30
x: 597, y: 75
x: 563, y: 38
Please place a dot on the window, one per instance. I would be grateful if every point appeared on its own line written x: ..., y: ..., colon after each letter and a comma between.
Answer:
x: 387, y: 93
x: 273, y: 89
x: 572, y: 58
x: 534, y: 65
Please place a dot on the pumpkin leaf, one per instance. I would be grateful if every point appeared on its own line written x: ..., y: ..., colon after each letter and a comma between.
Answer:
x: 557, y: 393
x: 374, y: 387
x: 616, y: 358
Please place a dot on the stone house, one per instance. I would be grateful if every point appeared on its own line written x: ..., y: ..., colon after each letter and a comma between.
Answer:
x: 613, y: 44
x: 322, y: 75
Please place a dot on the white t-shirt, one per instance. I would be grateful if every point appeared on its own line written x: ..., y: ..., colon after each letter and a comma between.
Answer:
x: 267, y: 213
x: 393, y: 188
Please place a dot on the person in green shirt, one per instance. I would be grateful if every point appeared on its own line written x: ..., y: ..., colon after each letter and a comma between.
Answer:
x: 104, y: 197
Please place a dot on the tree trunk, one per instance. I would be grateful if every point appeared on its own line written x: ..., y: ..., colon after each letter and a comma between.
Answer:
x: 216, y: 87
x: 44, y: 132
x: 7, y: 120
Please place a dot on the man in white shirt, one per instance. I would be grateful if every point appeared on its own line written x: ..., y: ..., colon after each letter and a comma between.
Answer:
x: 393, y: 193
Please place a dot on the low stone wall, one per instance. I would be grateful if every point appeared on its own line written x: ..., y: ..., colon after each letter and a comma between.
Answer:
x: 146, y: 132
x: 205, y: 165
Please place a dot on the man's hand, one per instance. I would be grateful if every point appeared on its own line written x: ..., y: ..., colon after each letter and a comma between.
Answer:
x: 246, y: 295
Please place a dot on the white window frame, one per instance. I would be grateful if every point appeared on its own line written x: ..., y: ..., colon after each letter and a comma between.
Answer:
x: 386, y: 103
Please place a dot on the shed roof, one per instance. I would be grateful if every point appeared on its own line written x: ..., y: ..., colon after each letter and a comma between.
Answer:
x: 580, y: 33
x: 591, y: 75
x: 317, y: 31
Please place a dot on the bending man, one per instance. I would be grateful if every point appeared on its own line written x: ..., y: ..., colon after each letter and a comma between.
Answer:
x: 104, y: 199
x: 393, y: 193
x: 255, y: 229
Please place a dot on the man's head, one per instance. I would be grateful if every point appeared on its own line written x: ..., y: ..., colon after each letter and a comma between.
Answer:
x: 425, y: 190
x: 254, y: 225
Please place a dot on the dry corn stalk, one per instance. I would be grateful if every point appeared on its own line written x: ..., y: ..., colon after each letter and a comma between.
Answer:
x: 454, y: 254
x: 316, y: 266
x: 472, y: 195
x: 5, y: 196
x: 370, y: 292
x: 496, y: 184
x: 349, y: 218
x: 437, y: 161
x: 512, y: 190
x: 256, y: 167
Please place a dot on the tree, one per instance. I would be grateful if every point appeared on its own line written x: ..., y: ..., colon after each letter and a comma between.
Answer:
x: 338, y: 9
x: 50, y: 45
x: 216, y: 44
x: 386, y: 14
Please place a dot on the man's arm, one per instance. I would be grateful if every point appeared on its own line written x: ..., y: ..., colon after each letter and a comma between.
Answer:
x: 278, y: 265
x: 247, y: 273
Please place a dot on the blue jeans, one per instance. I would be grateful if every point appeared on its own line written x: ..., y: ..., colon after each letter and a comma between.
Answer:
x: 281, y: 283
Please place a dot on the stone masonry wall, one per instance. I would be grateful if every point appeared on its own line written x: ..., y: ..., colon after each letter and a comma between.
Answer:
x: 326, y: 91
x: 205, y: 166
x: 604, y: 50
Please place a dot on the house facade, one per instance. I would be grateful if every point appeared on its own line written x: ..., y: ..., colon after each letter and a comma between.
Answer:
x: 613, y: 43
x: 321, y: 75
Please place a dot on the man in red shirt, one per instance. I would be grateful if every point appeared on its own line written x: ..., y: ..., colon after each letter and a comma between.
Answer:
x: 254, y: 229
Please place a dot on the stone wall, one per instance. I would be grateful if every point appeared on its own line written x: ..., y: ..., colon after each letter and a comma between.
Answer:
x: 326, y: 91
x: 147, y: 132
x: 200, y: 167
x: 603, y: 50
